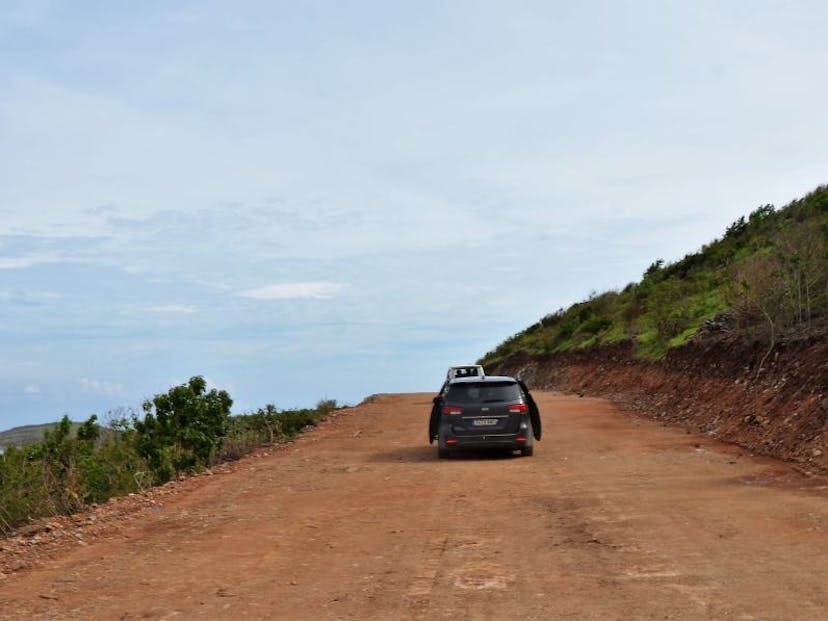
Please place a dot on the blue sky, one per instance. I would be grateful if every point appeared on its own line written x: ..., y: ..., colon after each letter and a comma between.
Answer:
x: 310, y: 199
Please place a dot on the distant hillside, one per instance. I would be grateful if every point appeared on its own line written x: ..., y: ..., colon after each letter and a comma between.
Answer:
x: 28, y: 434
x: 766, y: 275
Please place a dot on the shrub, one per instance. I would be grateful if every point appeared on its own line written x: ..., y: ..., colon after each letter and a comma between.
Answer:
x: 269, y: 425
x: 65, y: 473
x: 182, y: 428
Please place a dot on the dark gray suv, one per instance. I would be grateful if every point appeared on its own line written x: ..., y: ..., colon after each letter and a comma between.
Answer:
x: 484, y: 412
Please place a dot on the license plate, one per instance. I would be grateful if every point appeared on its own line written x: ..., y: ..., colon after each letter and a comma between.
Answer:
x: 485, y: 422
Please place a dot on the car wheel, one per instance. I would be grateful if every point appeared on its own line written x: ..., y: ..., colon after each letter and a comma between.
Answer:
x: 528, y: 451
x: 443, y: 453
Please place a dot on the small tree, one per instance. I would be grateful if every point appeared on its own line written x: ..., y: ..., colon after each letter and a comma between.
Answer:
x: 655, y: 268
x: 802, y: 252
x: 757, y: 289
x: 182, y: 428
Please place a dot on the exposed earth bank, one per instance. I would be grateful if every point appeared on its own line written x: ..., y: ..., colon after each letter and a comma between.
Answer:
x: 773, y: 401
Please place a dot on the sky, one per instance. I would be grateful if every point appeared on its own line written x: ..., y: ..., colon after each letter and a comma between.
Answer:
x: 307, y: 200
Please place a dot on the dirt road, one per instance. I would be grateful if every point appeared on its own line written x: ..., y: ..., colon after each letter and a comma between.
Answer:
x: 613, y: 518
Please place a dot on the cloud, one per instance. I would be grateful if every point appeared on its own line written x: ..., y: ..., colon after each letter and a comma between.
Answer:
x: 14, y: 263
x: 32, y: 390
x: 101, y: 388
x: 173, y: 309
x: 107, y: 209
x: 460, y: 174
x: 294, y: 291
x: 25, y: 297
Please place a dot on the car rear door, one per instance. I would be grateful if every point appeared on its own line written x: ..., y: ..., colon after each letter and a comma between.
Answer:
x: 434, y: 419
x: 534, y: 411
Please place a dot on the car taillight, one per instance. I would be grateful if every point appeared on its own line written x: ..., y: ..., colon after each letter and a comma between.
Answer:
x: 452, y: 409
x: 518, y: 408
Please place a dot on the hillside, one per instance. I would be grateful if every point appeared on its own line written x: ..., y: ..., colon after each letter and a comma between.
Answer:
x: 28, y: 434
x: 731, y: 341
x: 768, y: 273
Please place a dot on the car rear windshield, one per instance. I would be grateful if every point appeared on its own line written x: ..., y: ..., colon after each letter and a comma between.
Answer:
x: 483, y: 392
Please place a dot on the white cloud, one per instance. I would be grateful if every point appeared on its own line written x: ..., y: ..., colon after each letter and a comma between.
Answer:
x: 294, y: 291
x: 410, y: 175
x: 186, y: 309
x: 13, y: 263
x: 101, y: 388
x: 32, y: 390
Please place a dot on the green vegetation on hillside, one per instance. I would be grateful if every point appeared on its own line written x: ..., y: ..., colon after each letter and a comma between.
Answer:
x: 183, y: 430
x: 768, y: 272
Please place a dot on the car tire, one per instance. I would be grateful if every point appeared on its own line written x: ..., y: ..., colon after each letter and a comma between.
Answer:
x: 527, y: 451
x: 443, y: 453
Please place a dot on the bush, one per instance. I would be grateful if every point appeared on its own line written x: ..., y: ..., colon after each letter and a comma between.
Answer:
x: 182, y: 428
x: 269, y: 425
x: 65, y: 473
x: 23, y: 491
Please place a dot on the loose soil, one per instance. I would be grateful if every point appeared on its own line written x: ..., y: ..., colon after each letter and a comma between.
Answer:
x: 772, y: 401
x: 615, y: 517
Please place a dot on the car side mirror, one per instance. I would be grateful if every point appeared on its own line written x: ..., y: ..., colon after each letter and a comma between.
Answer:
x: 436, y: 400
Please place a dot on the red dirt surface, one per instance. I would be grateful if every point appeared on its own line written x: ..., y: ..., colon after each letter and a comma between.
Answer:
x: 774, y: 403
x: 615, y: 517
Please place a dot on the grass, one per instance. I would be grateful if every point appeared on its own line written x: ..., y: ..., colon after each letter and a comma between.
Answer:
x: 757, y: 270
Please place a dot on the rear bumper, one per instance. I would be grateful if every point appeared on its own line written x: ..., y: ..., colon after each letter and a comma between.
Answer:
x: 511, y: 441
x: 455, y: 439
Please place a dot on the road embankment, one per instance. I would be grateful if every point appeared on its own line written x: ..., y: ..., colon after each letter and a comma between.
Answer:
x: 773, y: 401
